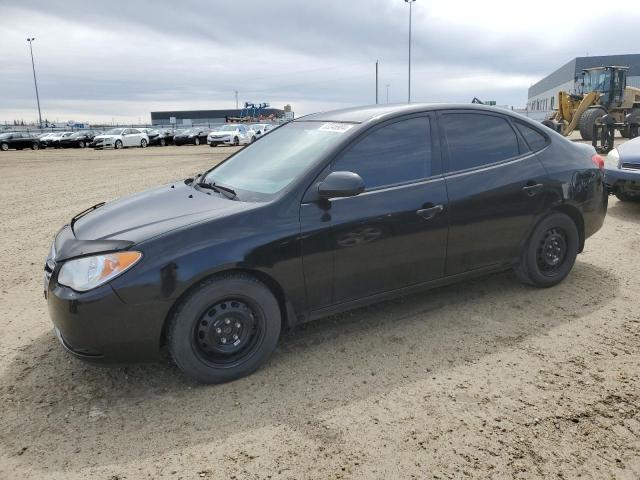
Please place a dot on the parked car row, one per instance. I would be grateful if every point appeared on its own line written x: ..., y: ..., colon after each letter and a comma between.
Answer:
x: 232, y: 134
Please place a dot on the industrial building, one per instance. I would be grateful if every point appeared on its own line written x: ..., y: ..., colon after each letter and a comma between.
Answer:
x: 543, y: 94
x: 187, y: 118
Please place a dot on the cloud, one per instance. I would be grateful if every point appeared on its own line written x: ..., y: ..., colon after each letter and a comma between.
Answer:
x: 122, y: 59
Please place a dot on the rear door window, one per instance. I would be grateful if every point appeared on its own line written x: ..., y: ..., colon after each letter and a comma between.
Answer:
x: 396, y: 153
x: 476, y: 139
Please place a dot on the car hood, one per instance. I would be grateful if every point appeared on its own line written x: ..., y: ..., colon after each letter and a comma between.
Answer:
x: 153, y: 212
x: 630, y: 151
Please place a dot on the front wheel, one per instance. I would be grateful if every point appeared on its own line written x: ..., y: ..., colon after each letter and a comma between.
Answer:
x: 236, y: 141
x: 4, y: 147
x: 118, y: 144
x: 35, y: 146
x: 253, y: 139
x: 81, y: 144
x: 196, y: 141
x: 225, y: 329
x: 143, y: 143
x: 550, y: 252
x: 163, y: 142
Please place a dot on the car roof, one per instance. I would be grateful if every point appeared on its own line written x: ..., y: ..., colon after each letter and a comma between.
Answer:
x: 380, y: 112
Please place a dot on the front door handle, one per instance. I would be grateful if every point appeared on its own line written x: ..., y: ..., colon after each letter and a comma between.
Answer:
x: 532, y: 188
x: 429, y: 213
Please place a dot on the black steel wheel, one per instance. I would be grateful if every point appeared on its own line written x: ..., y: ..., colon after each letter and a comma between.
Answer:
x: 550, y: 252
x: 225, y: 329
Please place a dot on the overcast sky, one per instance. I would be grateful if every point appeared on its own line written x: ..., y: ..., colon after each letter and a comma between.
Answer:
x: 122, y: 59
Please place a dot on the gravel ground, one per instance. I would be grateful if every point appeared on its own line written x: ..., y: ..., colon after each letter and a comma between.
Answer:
x: 487, y: 379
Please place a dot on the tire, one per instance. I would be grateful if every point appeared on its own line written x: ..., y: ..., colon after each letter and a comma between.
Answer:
x: 143, y: 143
x: 236, y: 141
x: 196, y: 141
x: 35, y: 146
x: 213, y: 145
x: 202, y: 330
x: 587, y: 120
x: 558, y: 235
x: 253, y: 139
x: 118, y: 144
x: 163, y: 142
x: 625, y: 197
x: 4, y: 147
x: 81, y: 144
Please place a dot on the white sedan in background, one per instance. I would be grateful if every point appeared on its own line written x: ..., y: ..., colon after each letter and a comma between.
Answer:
x: 261, y: 128
x: 230, y: 134
x: 121, y: 137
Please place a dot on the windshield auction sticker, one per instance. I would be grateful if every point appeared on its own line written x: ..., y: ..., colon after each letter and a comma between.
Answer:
x: 335, y: 127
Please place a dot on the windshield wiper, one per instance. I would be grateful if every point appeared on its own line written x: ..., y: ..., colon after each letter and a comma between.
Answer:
x: 226, y: 191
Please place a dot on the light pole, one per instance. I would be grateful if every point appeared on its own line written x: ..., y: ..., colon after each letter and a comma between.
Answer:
x: 388, y: 85
x: 410, y: 2
x: 35, y: 82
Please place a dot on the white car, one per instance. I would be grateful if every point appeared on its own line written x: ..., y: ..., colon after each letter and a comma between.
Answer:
x: 261, y: 128
x: 121, y: 137
x: 230, y: 134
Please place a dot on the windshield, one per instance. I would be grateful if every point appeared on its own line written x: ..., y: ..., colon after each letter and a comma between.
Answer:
x: 114, y: 131
x: 226, y: 128
x: 67, y: 134
x: 268, y: 166
x: 79, y: 134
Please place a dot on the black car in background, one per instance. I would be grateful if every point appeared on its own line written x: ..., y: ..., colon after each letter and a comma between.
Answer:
x: 18, y: 141
x: 159, y: 137
x: 79, y: 139
x: 329, y: 212
x: 192, y: 136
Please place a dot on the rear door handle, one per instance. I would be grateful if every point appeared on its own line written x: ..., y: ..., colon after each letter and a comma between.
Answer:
x: 532, y: 188
x: 429, y: 213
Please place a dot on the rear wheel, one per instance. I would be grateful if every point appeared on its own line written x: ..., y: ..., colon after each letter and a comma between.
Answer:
x: 196, y: 141
x: 253, y: 139
x: 588, y: 120
x: 236, y: 141
x: 224, y: 330
x: 35, y: 146
x: 81, y: 144
x: 550, y: 252
x: 4, y: 147
x: 163, y: 142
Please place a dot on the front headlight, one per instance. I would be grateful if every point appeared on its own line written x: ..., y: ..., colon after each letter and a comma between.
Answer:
x: 85, y: 273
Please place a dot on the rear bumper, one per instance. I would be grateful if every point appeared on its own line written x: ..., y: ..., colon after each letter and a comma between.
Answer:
x: 620, y: 180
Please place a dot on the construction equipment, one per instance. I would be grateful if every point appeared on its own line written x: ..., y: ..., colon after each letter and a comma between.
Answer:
x: 602, y: 91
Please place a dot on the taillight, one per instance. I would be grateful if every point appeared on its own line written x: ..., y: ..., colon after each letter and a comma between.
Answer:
x: 598, y: 161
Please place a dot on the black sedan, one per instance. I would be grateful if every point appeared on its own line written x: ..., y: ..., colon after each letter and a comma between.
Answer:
x: 329, y: 212
x: 192, y: 136
x: 18, y: 141
x: 161, y: 138
x: 80, y: 139
x: 623, y: 175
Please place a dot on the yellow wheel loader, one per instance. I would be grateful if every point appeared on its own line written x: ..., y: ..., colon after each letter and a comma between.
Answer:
x: 603, y: 91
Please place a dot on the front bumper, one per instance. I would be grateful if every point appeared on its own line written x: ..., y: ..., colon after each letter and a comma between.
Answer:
x: 103, y: 143
x: 619, y: 180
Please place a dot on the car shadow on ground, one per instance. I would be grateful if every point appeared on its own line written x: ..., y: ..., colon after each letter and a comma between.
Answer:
x: 58, y: 412
x: 628, y: 210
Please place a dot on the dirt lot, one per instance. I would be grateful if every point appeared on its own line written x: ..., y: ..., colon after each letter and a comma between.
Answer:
x: 489, y: 379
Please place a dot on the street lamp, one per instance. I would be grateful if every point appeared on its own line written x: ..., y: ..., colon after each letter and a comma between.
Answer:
x: 34, y: 78
x: 410, y: 2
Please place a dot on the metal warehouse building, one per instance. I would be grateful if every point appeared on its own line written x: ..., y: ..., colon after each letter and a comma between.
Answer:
x: 203, y: 117
x: 543, y: 95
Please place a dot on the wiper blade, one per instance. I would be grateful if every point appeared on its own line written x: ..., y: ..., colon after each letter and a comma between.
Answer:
x: 227, y: 192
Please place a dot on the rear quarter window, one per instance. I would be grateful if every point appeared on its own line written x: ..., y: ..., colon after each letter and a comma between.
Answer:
x: 534, y: 139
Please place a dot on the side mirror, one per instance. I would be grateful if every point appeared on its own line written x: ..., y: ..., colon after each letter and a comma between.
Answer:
x: 341, y: 184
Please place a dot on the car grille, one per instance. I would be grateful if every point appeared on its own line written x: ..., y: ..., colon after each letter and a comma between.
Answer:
x: 631, y: 166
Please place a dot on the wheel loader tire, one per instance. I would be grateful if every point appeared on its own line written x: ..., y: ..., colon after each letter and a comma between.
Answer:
x: 587, y: 120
